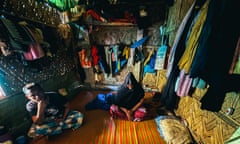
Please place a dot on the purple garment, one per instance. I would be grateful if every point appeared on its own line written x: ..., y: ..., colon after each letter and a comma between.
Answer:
x: 184, y: 84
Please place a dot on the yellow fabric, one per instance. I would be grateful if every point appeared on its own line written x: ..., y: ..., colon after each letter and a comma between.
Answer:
x: 38, y: 35
x: 148, y: 57
x: 126, y: 51
x: 189, y: 53
x: 119, y: 64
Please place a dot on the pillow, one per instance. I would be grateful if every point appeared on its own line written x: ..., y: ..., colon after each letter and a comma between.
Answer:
x: 172, y: 130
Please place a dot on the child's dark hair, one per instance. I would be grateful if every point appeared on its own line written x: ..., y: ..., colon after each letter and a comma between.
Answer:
x: 36, y: 89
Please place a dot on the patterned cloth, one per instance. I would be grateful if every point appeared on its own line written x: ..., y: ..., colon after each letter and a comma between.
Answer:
x: 139, y: 115
x: 50, y: 127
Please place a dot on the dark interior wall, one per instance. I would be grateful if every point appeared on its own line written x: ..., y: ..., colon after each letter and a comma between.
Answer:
x: 115, y: 35
x: 13, y: 114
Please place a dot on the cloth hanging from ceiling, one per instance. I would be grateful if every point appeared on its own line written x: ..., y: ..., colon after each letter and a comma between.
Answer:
x: 169, y: 98
x: 217, y: 42
x: 177, y: 39
x: 183, y: 84
x: 200, y: 57
x: 222, y: 40
x: 63, y: 5
x: 192, y: 42
x: 184, y: 81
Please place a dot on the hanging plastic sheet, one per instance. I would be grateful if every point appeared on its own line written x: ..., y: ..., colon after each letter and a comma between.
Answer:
x: 139, y: 42
x: 160, y: 58
x: 161, y: 52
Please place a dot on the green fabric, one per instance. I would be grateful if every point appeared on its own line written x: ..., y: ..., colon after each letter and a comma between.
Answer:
x: 237, y: 68
x: 63, y: 5
x: 235, y: 138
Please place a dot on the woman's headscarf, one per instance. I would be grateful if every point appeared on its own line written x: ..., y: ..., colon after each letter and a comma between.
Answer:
x: 130, y: 79
x: 126, y: 97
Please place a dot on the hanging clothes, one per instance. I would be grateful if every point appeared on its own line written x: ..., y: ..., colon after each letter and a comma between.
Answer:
x: 200, y: 57
x: 184, y: 84
x: 223, y: 40
x: 94, y: 54
x: 35, y: 52
x: 91, y: 14
x: 146, y: 61
x: 103, y: 59
x: 191, y: 46
x: 138, y: 55
x: 177, y: 39
x: 115, y: 59
x: 131, y: 57
x: 169, y: 98
x: 150, y: 63
x: 162, y: 51
x: 84, y: 59
x: 122, y: 56
x: 80, y: 33
x: 126, y: 52
x: 161, y: 57
x: 199, y: 83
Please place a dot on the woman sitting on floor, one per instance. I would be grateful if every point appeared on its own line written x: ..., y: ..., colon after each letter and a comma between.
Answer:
x: 125, y: 103
x: 49, y: 111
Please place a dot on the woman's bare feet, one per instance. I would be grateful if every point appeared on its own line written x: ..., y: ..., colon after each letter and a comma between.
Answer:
x: 129, y: 115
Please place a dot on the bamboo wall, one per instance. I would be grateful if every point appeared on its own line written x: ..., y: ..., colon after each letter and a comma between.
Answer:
x: 206, y: 127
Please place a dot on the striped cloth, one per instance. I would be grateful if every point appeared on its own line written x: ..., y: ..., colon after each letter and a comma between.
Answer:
x: 118, y: 131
